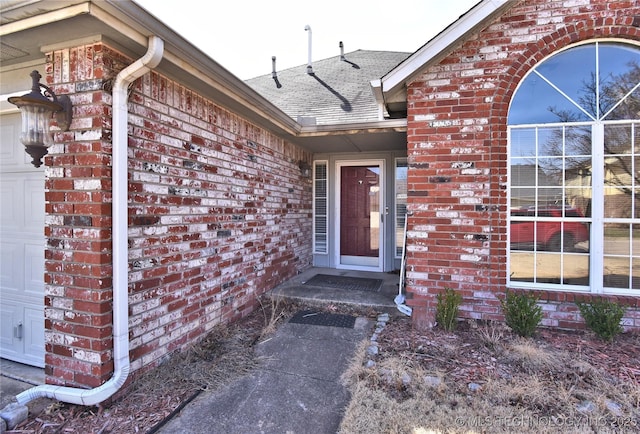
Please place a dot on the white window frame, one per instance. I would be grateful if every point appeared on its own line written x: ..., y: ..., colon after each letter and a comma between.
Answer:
x: 321, y: 248
x: 596, y: 206
x: 396, y: 216
x: 598, y: 221
x: 598, y: 181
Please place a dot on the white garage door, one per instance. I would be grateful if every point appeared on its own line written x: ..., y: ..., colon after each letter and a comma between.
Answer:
x: 21, y: 249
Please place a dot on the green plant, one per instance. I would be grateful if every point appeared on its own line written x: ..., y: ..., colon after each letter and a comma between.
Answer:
x: 521, y: 312
x: 603, y: 317
x: 447, y: 309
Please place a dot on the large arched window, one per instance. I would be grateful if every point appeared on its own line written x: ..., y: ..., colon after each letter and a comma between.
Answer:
x: 574, y: 172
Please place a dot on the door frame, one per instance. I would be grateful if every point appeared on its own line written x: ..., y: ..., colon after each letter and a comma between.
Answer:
x: 380, y: 162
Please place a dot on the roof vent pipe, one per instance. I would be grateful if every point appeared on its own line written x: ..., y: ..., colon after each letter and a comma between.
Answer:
x: 309, y: 67
x: 341, y: 51
x: 274, y: 75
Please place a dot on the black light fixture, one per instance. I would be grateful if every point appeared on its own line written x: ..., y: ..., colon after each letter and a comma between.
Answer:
x: 305, y: 169
x: 37, y: 108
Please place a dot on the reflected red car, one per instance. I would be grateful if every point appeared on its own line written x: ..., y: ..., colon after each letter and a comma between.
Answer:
x: 545, y: 235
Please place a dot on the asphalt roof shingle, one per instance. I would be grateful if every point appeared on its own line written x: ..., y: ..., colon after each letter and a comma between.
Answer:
x: 337, y: 92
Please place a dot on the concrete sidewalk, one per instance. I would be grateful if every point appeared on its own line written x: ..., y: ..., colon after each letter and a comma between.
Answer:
x: 14, y: 379
x: 296, y: 389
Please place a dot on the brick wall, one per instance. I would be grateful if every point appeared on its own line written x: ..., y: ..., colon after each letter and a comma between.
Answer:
x: 218, y: 214
x: 457, y: 151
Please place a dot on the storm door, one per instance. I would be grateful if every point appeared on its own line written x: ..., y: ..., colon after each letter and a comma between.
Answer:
x: 359, y: 214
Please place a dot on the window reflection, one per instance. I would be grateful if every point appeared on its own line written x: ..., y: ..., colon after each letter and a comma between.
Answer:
x: 620, y: 243
x: 578, y: 141
x: 620, y: 171
x: 570, y: 71
x: 564, y: 87
x: 635, y: 256
x: 588, y: 99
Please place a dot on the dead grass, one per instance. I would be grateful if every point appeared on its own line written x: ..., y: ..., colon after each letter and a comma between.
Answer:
x: 226, y: 353
x: 485, y: 379
x: 533, y: 357
x: 554, y: 382
x: 274, y: 310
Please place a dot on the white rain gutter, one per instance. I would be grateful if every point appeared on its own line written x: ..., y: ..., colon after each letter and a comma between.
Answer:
x: 72, y: 395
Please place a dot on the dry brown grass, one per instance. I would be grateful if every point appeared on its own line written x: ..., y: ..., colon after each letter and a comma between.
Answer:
x: 535, y: 385
x: 419, y: 384
x: 531, y: 356
x: 226, y: 353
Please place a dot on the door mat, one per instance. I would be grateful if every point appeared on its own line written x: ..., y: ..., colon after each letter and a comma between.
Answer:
x: 313, y: 317
x: 345, y: 282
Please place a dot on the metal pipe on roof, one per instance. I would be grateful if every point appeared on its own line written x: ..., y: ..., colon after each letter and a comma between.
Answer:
x: 274, y: 74
x: 341, y: 50
x: 309, y: 66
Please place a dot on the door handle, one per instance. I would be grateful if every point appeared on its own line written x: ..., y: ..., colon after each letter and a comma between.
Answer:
x: 17, y: 331
x: 386, y: 212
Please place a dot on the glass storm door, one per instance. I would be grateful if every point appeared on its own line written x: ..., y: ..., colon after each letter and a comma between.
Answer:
x: 360, y: 232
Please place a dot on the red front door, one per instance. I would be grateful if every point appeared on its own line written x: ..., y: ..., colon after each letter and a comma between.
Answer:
x: 360, y: 215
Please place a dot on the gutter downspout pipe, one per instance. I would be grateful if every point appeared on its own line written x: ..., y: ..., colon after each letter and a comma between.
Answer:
x: 72, y: 395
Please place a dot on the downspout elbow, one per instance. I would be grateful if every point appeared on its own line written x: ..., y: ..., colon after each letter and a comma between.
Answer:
x: 72, y: 395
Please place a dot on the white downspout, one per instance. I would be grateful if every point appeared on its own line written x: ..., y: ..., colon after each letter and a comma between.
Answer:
x: 120, y: 114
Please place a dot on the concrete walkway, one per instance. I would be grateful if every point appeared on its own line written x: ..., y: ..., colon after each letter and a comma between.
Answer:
x: 296, y: 288
x: 14, y: 379
x: 296, y: 389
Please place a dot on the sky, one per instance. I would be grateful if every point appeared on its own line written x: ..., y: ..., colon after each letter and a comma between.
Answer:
x: 243, y: 35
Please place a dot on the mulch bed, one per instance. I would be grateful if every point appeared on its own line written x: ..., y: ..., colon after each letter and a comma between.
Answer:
x: 468, y: 357
x: 465, y: 356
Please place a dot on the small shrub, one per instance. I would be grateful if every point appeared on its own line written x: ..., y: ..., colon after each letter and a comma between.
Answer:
x: 521, y: 313
x: 447, y: 309
x: 603, y: 317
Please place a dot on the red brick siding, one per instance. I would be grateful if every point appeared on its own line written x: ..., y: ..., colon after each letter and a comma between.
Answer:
x: 218, y: 214
x: 457, y: 151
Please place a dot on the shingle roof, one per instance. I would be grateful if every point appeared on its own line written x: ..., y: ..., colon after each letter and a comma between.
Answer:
x: 337, y: 92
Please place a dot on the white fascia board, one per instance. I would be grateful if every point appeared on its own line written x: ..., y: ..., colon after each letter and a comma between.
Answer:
x: 64, y: 12
x: 397, y: 78
x: 6, y: 107
x: 395, y: 125
x: 376, y: 89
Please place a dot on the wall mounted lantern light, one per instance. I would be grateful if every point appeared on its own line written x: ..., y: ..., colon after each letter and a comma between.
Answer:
x: 37, y: 108
x: 305, y: 169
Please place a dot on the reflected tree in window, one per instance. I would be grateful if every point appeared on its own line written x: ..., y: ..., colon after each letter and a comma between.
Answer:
x: 612, y: 97
x: 574, y: 147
